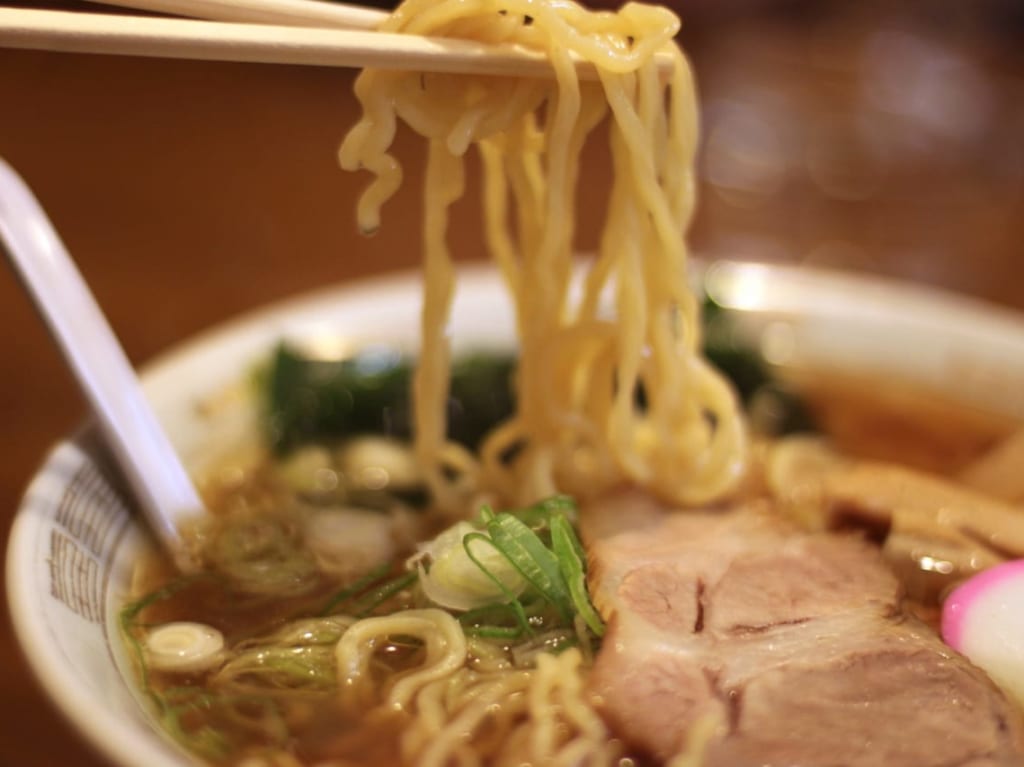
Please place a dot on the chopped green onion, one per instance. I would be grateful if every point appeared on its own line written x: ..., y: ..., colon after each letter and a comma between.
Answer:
x: 302, y: 633
x: 535, y: 561
x: 466, y: 570
x: 283, y: 668
x: 370, y: 602
x: 572, y: 561
x: 494, y: 632
x: 357, y: 587
x: 205, y: 740
x: 510, y: 598
x: 263, y: 554
x: 538, y: 516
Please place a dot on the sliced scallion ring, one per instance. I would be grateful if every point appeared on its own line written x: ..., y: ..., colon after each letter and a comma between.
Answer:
x: 184, y: 647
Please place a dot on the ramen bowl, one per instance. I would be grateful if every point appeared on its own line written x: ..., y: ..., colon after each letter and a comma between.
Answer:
x: 77, y: 536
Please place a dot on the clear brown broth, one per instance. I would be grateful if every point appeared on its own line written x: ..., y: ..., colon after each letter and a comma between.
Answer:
x: 864, y: 417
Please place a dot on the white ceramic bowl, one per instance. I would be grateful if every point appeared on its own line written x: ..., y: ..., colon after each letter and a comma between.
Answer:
x: 75, y: 536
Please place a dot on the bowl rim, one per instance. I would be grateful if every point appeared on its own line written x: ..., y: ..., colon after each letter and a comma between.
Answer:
x: 782, y: 290
x: 73, y: 701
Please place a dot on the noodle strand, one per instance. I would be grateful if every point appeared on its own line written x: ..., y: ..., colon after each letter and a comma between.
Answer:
x: 610, y: 385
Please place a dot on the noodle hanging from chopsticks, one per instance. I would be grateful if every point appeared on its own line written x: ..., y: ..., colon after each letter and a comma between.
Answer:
x: 604, y: 394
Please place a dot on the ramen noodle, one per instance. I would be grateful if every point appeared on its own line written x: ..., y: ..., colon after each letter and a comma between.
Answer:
x: 605, y: 393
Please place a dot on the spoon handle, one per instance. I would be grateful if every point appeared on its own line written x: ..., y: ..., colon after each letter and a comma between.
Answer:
x: 156, y: 475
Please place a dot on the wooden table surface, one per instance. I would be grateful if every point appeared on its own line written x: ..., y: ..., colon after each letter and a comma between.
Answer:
x: 189, y: 192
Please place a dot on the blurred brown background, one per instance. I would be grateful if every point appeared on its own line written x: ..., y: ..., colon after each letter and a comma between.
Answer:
x: 886, y: 137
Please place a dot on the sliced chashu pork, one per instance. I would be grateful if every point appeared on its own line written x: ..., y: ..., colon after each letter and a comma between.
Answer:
x: 797, y: 644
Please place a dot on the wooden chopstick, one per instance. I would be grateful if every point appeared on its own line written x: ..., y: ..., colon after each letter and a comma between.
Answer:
x: 297, y: 13
x: 70, y: 32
